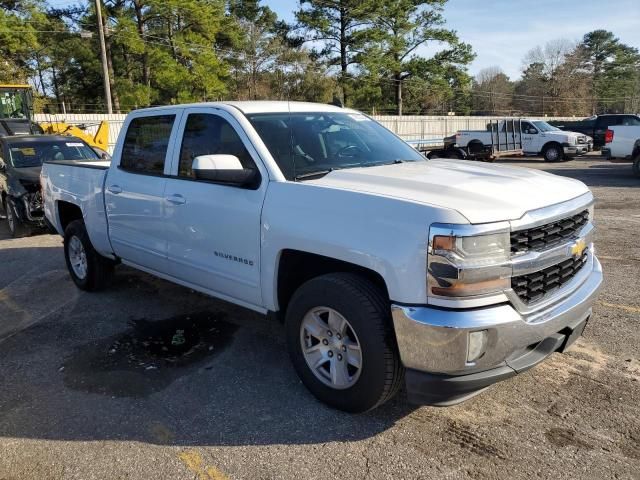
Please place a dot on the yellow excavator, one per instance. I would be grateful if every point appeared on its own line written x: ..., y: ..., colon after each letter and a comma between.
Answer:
x: 16, y: 118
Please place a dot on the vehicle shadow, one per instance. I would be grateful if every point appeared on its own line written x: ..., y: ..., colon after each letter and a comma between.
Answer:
x: 150, y: 361
x: 601, y: 175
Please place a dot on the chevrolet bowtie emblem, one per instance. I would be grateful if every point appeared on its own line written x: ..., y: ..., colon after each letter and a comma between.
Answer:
x: 578, y: 247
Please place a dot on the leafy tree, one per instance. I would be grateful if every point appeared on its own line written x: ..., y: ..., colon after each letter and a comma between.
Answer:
x: 615, y: 72
x: 398, y: 28
x: 338, y: 27
x: 492, y: 92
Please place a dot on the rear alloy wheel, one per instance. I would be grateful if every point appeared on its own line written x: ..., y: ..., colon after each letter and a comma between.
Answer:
x: 88, y: 269
x: 341, y: 342
x: 553, y: 153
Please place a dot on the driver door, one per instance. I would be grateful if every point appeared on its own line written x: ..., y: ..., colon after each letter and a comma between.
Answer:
x: 213, y: 230
x: 530, y: 138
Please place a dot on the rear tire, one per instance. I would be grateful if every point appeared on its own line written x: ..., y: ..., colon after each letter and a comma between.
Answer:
x: 553, y: 153
x: 89, y: 270
x: 636, y: 165
x: 326, y: 319
x: 16, y: 227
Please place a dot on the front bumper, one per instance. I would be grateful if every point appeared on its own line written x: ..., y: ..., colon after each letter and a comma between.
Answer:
x: 577, y: 150
x: 29, y: 210
x: 433, y: 342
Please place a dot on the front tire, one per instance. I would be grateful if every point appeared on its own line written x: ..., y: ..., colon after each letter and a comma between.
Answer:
x: 341, y: 342
x: 553, y: 153
x: 636, y: 165
x: 89, y: 270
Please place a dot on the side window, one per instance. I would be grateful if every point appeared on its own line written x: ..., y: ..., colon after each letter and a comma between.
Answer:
x: 631, y: 120
x: 528, y: 129
x: 145, y: 145
x: 208, y: 134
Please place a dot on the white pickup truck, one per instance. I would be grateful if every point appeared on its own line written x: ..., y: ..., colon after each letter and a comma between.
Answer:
x: 387, y: 268
x: 538, y: 138
x: 623, y: 143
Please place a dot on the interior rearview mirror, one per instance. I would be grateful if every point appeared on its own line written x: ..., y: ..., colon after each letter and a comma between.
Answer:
x: 225, y: 169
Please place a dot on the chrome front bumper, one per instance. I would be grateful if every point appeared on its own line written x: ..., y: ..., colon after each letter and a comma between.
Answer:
x: 579, y: 149
x: 435, y: 340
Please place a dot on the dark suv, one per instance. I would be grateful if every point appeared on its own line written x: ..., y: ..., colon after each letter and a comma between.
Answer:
x: 21, y: 159
x: 596, y: 126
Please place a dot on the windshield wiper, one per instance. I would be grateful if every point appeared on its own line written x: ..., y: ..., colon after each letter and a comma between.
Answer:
x: 322, y: 173
x: 318, y: 174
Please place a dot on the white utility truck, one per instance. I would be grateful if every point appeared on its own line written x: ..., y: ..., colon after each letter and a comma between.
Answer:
x: 505, y: 137
x: 387, y: 268
x: 623, y: 143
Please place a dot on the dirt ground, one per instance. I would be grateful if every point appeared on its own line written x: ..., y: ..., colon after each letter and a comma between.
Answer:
x: 151, y: 380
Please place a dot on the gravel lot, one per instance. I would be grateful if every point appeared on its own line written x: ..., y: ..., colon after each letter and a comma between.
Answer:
x: 92, y: 386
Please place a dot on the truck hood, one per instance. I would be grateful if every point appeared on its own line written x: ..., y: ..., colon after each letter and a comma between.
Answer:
x: 480, y: 192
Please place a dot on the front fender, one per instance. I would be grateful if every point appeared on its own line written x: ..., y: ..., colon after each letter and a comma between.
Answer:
x: 386, y: 235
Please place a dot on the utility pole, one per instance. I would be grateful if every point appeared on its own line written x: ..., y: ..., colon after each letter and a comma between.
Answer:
x: 103, y: 52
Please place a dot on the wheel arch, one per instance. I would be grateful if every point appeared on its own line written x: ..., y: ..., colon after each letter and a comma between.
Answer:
x: 549, y: 144
x: 295, y: 267
x: 67, y: 212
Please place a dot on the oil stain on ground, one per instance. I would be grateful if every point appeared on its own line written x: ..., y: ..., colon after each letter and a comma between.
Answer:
x: 148, y: 356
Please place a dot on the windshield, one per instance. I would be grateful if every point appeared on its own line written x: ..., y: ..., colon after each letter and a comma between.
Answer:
x: 33, y: 154
x: 14, y: 103
x: 307, y: 143
x: 545, y: 127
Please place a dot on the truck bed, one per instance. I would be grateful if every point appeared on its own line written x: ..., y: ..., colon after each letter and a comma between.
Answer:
x: 79, y: 183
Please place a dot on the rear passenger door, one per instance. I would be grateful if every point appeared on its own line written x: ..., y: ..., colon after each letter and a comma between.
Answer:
x: 214, y: 229
x: 134, y: 190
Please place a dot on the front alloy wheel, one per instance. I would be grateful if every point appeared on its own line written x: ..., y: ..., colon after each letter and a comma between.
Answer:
x: 341, y: 341
x: 331, y: 348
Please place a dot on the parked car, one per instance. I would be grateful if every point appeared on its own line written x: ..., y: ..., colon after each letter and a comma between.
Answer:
x: 386, y: 268
x: 532, y: 137
x: 21, y: 159
x: 623, y: 143
x: 597, y: 125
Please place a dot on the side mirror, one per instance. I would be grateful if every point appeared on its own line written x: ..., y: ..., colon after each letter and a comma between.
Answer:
x: 225, y: 169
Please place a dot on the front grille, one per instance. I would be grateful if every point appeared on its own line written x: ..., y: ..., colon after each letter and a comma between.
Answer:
x: 546, y: 236
x: 535, y: 286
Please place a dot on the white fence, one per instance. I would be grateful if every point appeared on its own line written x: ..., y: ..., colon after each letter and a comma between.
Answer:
x: 409, y: 127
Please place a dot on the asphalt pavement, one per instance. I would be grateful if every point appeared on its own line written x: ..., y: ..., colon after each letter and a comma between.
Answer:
x: 150, y: 380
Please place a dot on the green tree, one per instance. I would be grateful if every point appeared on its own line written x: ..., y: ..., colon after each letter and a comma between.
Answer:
x: 615, y: 72
x: 338, y: 26
x: 398, y: 29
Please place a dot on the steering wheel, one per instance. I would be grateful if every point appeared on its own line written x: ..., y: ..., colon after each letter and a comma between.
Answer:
x: 349, y: 151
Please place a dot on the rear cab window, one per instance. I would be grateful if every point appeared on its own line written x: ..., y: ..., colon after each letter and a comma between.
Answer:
x: 145, y: 145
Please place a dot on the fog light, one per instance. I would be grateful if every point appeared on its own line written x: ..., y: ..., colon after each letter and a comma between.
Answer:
x: 477, y: 345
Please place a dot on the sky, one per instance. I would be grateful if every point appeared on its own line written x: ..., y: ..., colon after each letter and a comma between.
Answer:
x: 501, y: 32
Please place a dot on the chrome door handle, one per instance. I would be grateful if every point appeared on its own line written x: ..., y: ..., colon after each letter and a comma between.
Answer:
x: 176, y: 199
x: 115, y: 189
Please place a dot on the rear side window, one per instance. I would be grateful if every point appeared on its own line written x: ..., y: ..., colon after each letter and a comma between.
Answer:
x: 631, y: 121
x: 145, y: 145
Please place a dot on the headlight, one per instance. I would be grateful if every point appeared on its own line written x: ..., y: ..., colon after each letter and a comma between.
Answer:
x: 463, y: 263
